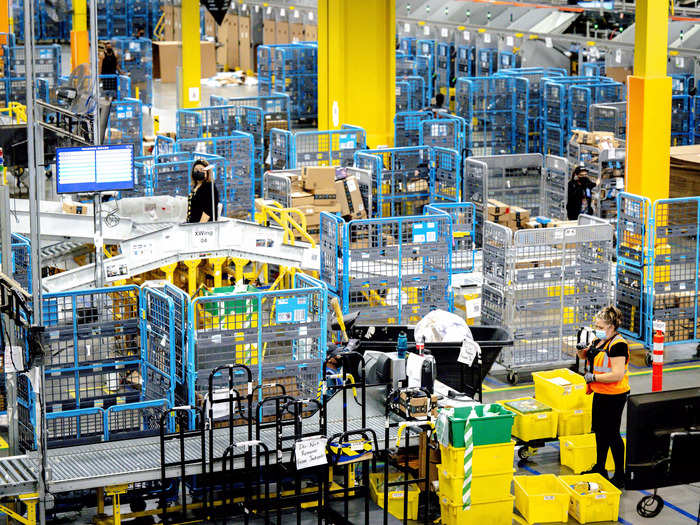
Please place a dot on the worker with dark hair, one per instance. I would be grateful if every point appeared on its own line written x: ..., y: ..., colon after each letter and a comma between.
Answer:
x: 110, y: 68
x: 439, y: 101
x: 203, y: 200
x: 579, y: 194
x: 607, y: 363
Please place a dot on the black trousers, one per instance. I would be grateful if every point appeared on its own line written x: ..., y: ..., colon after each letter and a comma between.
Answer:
x: 607, y: 418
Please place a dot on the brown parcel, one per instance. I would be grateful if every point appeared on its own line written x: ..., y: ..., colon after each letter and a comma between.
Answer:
x: 350, y: 198
x: 319, y: 178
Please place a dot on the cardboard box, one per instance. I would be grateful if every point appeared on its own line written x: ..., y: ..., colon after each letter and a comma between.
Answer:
x: 418, y: 186
x: 296, y: 32
x: 318, y: 179
x: 269, y: 33
x: 619, y: 74
x: 209, y: 24
x: 310, y: 33
x: 350, y: 198
x: 301, y: 199
x: 313, y: 213
x: 282, y: 32
x: 245, y: 50
x: 414, y: 403
x: 74, y: 208
x: 167, y: 57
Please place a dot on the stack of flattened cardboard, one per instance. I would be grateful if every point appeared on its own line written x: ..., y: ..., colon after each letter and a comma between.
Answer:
x: 685, y: 171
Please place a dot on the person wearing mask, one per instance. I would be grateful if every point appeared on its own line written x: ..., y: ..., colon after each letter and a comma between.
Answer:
x: 607, y: 360
x: 202, y: 204
x: 110, y: 67
x: 579, y: 194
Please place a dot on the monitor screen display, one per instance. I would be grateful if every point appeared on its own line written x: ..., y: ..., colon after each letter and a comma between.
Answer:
x: 95, y: 168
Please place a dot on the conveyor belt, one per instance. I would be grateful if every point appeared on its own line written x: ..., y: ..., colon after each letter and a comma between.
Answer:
x: 128, y: 461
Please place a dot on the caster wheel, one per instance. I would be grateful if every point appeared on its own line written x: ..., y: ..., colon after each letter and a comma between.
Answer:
x: 524, y: 452
x: 650, y: 506
x: 513, y: 378
x: 648, y: 360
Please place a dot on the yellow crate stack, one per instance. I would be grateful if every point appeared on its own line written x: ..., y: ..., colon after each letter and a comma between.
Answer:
x: 532, y: 425
x: 492, y: 475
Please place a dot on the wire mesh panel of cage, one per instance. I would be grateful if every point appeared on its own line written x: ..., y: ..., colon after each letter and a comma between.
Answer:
x: 392, y: 270
x: 315, y: 148
x: 21, y: 261
x: 462, y: 222
x: 610, y: 117
x: 280, y: 334
x: 239, y: 182
x: 407, y: 127
x: 545, y: 284
x: 111, y: 368
x: 125, y: 124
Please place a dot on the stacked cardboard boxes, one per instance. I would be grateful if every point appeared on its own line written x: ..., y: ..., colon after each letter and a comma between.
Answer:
x: 599, y: 139
x: 512, y: 217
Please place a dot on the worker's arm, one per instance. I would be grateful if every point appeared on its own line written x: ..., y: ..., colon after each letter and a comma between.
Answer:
x: 618, y: 371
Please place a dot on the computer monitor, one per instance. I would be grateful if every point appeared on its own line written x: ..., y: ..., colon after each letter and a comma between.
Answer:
x: 95, y: 168
x: 663, y: 436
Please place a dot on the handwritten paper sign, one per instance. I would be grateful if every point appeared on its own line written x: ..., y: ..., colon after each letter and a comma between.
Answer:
x: 310, y: 452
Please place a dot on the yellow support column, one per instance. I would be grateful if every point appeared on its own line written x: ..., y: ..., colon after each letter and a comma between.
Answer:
x: 192, y: 265
x: 649, y: 104
x: 217, y: 263
x: 239, y: 265
x: 79, y: 41
x: 116, y: 491
x: 169, y: 271
x: 356, y: 66
x: 4, y: 28
x: 191, y: 55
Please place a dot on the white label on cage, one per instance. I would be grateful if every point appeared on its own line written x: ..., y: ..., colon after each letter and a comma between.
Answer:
x: 406, y: 28
x: 548, y: 42
x: 365, y: 255
x: 473, y: 308
x: 397, y: 91
x: 216, y: 339
x: 310, y: 452
x: 530, y: 276
x: 303, y: 330
x: 282, y: 12
x: 681, y: 286
x: 558, y: 234
x: 13, y: 357
x: 87, y: 349
x: 618, y: 56
x: 444, y: 32
x: 570, y: 232
x: 426, y: 30
x: 620, y: 183
x: 127, y: 56
x: 487, y: 38
x: 509, y: 41
x: 680, y: 62
x: 466, y: 36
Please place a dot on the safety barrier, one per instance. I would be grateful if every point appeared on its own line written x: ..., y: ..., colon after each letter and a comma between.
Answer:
x: 111, y: 365
x: 462, y: 216
x: 125, y: 124
x: 240, y: 185
x: 393, y: 270
x: 403, y: 180
x: 544, y: 284
x: 337, y: 147
x: 488, y: 103
x: 21, y: 261
x: 531, y: 181
x: 657, y: 270
x: 281, y: 335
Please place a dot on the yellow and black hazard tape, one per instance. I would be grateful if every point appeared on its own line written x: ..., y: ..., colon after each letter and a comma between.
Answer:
x: 351, y: 451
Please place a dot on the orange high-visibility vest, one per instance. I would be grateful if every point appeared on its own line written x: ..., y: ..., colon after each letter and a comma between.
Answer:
x: 603, y: 365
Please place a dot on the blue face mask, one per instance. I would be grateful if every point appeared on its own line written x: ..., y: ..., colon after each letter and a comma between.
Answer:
x: 600, y: 334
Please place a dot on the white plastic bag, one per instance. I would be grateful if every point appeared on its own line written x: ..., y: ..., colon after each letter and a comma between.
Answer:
x: 440, y: 326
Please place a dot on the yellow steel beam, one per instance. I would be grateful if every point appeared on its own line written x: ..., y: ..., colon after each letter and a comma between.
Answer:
x: 649, y: 104
x: 4, y: 18
x: 356, y: 66
x: 192, y: 265
x: 79, y: 41
x: 191, y: 55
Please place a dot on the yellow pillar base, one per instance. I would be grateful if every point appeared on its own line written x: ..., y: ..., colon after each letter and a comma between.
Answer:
x: 116, y: 491
x: 648, y: 136
x: 79, y: 48
x: 192, y: 265
x: 169, y: 271
x: 217, y: 263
